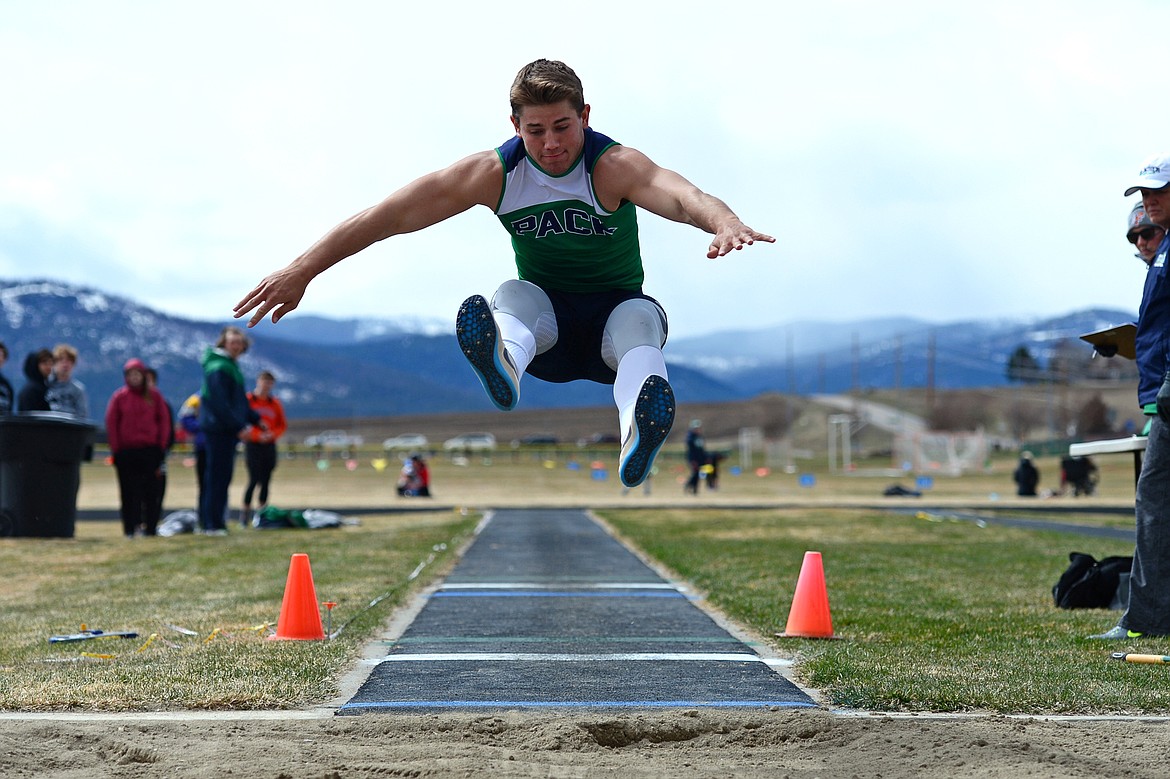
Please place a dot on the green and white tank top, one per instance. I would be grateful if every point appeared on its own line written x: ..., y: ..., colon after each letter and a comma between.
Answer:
x: 563, y: 238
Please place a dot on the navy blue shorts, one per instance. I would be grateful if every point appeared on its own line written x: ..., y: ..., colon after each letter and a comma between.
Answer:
x: 581, y: 318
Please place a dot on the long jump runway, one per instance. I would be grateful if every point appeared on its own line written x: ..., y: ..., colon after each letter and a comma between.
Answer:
x: 547, y: 610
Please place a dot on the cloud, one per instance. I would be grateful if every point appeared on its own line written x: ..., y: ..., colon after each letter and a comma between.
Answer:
x: 912, y: 157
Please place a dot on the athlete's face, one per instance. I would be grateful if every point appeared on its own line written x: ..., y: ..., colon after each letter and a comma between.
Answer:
x: 553, y: 134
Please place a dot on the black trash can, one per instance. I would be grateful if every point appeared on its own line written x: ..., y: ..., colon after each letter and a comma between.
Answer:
x: 40, y: 471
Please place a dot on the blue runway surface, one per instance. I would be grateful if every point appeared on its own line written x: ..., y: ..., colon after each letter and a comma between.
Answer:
x: 547, y: 610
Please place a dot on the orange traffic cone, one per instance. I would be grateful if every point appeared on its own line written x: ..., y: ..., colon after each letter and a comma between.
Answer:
x: 809, y: 615
x: 300, y: 616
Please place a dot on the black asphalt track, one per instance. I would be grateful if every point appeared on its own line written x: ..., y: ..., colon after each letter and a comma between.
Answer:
x: 547, y: 610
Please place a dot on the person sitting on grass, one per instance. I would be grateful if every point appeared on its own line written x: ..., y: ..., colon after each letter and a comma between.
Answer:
x: 414, y: 481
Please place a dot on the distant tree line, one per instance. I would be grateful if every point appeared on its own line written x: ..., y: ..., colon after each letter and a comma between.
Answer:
x: 1061, y: 410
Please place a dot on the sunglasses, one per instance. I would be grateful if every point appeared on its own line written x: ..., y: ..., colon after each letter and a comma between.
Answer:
x: 1146, y: 235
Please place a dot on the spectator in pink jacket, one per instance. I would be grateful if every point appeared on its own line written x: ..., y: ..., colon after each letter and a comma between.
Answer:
x: 138, y: 428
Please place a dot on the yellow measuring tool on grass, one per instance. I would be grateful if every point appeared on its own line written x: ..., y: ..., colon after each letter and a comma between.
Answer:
x: 1130, y: 657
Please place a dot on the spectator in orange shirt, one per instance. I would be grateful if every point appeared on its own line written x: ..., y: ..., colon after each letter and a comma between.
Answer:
x: 260, y: 442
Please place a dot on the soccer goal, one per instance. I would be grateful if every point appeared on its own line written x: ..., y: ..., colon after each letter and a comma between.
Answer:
x: 941, y: 452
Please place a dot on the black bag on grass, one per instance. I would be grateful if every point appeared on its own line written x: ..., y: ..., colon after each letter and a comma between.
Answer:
x: 1091, y: 584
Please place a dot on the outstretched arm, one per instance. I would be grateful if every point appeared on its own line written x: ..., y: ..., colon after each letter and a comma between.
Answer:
x: 426, y: 201
x: 628, y: 173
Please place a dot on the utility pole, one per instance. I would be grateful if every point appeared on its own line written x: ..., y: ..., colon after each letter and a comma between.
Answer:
x: 856, y: 363
x: 791, y: 368
x: 930, y: 356
x: 898, y: 365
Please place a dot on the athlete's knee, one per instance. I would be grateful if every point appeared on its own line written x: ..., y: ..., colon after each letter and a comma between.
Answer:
x: 636, y: 322
x: 528, y: 303
x: 523, y: 300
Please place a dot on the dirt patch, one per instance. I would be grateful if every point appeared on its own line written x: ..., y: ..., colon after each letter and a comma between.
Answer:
x: 519, y: 744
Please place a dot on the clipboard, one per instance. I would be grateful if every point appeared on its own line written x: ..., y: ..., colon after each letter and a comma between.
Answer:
x: 1121, y: 336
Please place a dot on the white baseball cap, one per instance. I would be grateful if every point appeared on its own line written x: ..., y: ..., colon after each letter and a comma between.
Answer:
x: 1155, y: 174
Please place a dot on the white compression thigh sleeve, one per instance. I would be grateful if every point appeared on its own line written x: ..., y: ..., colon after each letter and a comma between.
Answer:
x: 518, y: 340
x: 637, y: 365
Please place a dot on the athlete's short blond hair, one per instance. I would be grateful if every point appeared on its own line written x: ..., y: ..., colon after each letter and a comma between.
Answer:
x: 545, y: 82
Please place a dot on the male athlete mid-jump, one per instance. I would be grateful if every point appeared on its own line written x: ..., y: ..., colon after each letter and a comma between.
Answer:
x: 567, y: 196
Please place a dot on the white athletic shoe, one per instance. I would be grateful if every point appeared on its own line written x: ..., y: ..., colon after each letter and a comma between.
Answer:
x: 653, y: 418
x: 479, y: 338
x: 1117, y: 633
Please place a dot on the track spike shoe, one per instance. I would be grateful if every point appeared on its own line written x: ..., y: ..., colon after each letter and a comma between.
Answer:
x: 479, y: 338
x: 653, y: 418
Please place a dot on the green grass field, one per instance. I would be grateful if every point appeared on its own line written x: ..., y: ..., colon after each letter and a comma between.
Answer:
x: 227, y: 592
x: 934, y: 614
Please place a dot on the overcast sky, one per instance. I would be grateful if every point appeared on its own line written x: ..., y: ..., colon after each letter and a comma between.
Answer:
x: 940, y: 160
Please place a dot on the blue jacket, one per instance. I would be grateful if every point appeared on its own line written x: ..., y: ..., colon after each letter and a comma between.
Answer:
x: 1153, y: 327
x: 223, y: 401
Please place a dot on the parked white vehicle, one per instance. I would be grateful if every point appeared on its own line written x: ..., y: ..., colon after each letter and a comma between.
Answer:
x: 333, y: 439
x: 470, y: 442
x: 405, y: 441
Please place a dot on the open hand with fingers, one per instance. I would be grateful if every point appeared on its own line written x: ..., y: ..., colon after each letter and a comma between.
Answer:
x: 279, y: 292
x: 733, y: 238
